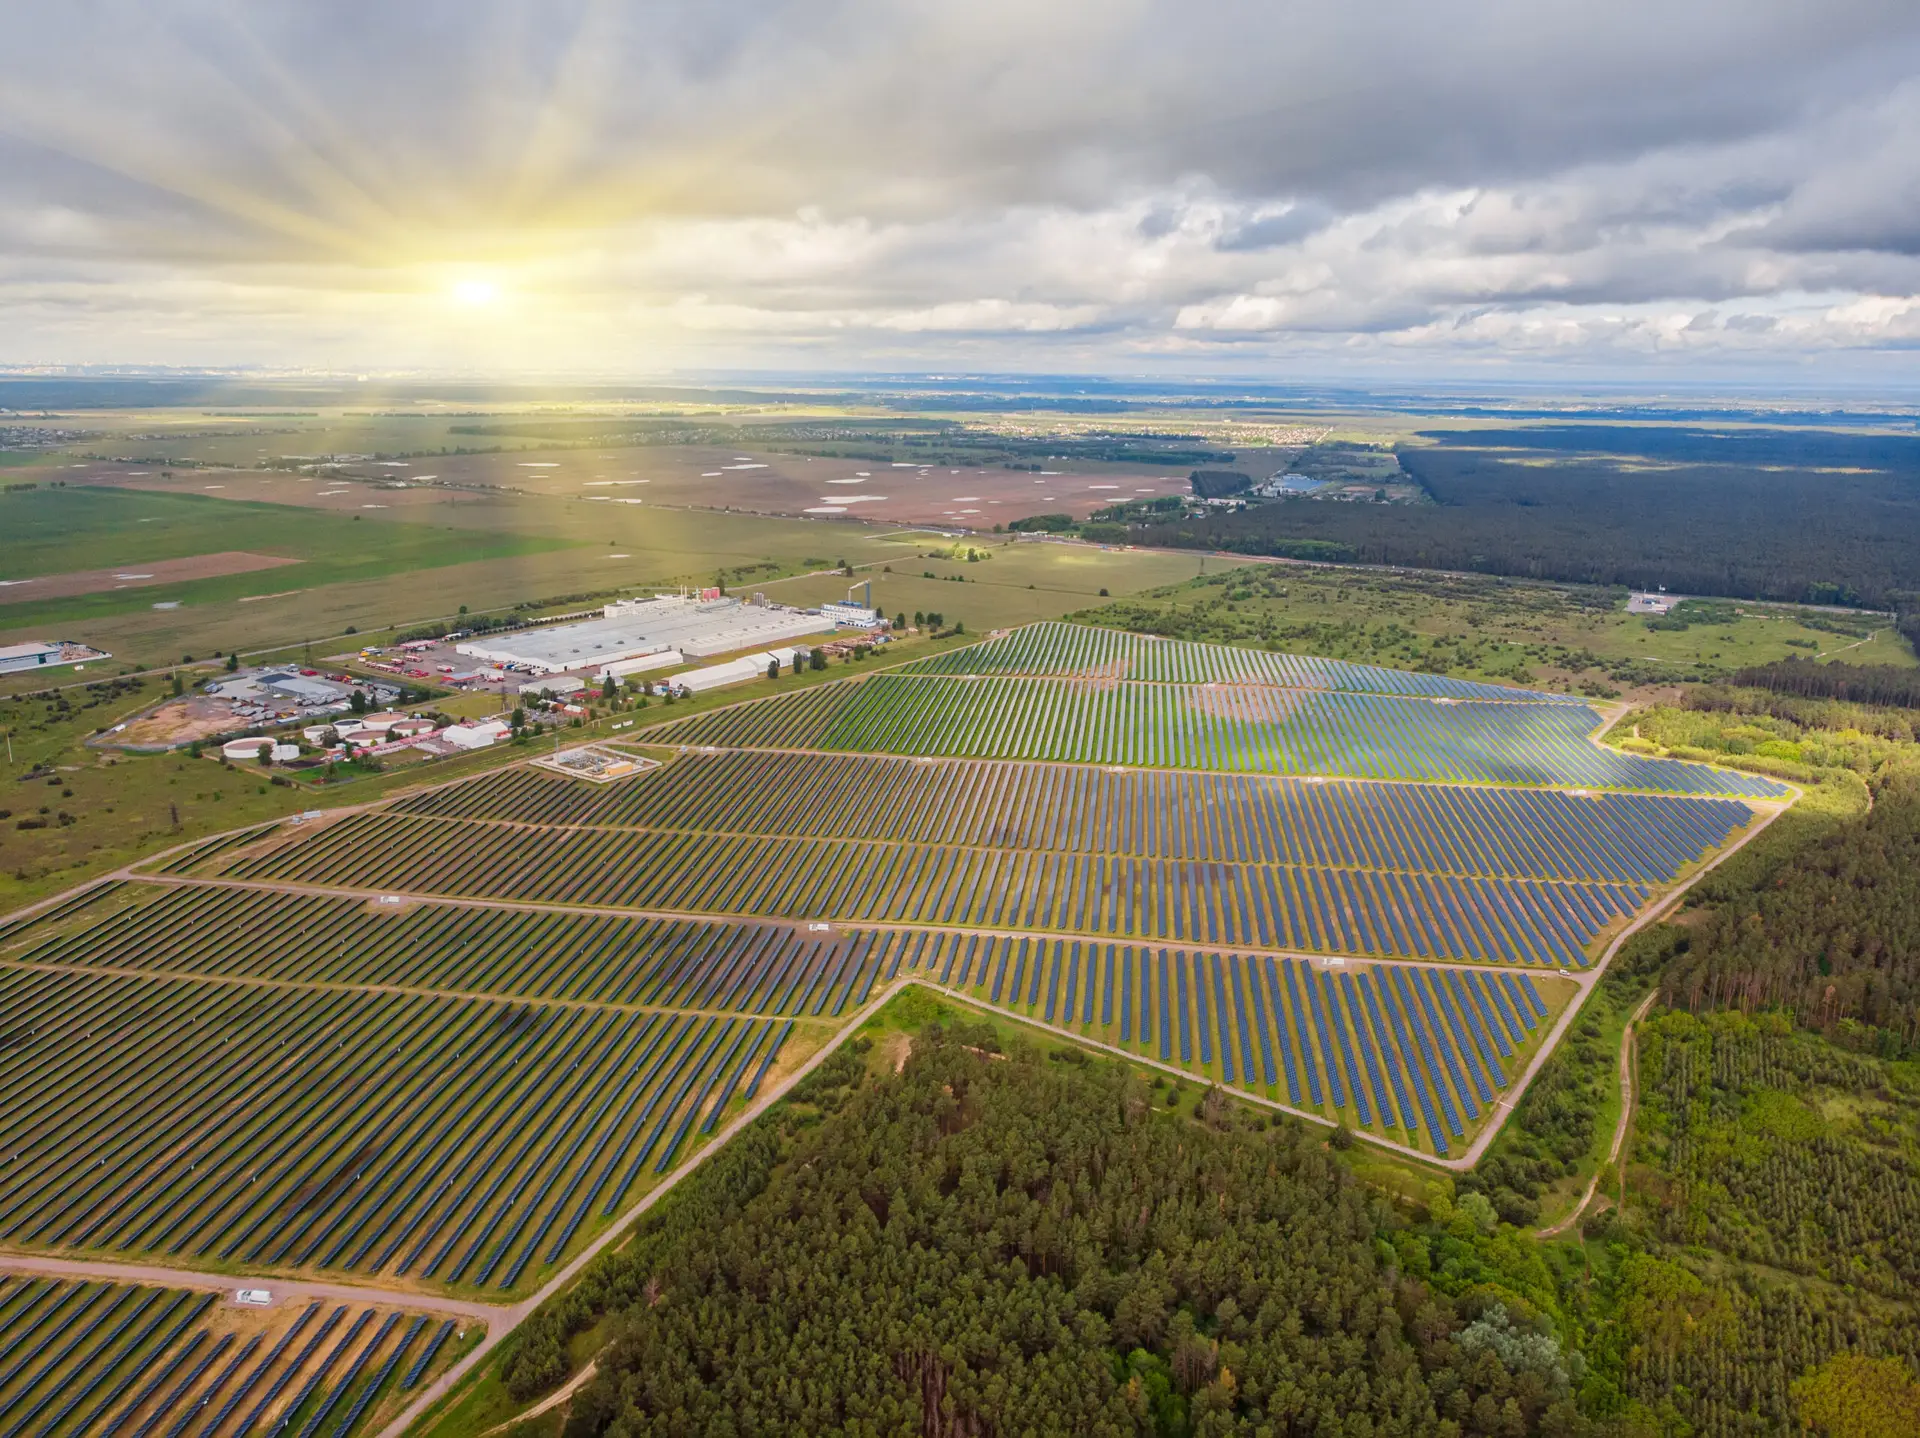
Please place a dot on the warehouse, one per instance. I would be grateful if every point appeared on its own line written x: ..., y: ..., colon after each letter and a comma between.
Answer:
x: 735, y: 671
x: 45, y: 654
x: 634, y: 629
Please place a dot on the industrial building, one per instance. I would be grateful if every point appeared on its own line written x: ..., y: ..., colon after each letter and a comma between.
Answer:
x: 637, y: 628
x: 50, y: 654
x: 851, y: 616
x: 552, y: 688
x: 735, y: 671
x: 620, y: 669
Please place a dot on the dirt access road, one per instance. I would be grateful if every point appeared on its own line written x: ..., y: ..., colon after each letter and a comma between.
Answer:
x: 1621, y: 1126
x: 284, y: 1290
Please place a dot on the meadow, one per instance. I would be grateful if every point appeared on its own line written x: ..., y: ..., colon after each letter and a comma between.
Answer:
x: 1574, y: 637
x: 56, y: 531
x: 379, y: 570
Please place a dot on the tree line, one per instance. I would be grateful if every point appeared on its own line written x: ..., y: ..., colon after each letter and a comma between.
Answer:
x: 1882, y: 684
x: 1738, y: 530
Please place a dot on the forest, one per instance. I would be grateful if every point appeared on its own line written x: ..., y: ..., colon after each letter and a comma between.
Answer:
x: 996, y: 1239
x: 1760, y: 516
x: 1003, y: 1242
x: 1880, y: 684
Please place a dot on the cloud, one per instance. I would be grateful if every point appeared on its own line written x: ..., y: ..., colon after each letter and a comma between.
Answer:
x: 217, y: 181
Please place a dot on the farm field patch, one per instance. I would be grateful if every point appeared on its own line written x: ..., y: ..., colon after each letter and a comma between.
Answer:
x: 378, y: 570
x: 749, y: 479
x: 136, y: 575
x: 59, y: 533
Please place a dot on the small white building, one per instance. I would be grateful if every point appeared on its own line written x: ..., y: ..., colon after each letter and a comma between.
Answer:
x: 284, y: 753
x: 32, y: 655
x: 476, y: 736
x: 551, y: 688
x: 851, y: 616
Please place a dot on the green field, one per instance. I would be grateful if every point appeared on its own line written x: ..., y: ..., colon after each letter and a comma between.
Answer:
x: 58, y: 531
x: 1474, y: 626
x: 407, y: 565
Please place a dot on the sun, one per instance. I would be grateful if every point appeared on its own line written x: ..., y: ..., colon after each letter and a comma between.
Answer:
x: 476, y: 293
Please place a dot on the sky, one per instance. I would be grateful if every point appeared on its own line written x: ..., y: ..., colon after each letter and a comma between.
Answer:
x: 1667, y: 188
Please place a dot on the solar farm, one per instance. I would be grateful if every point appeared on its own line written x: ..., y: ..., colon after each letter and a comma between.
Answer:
x: 109, y: 1358
x: 440, y: 1043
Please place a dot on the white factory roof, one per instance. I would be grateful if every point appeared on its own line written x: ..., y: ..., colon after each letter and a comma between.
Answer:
x: 697, y: 628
